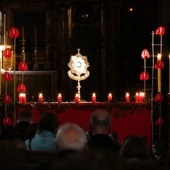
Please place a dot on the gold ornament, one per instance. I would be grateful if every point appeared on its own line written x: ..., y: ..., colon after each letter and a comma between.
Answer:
x: 78, y: 69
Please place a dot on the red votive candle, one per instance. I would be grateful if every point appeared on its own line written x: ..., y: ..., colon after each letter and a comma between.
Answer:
x: 137, y: 98
x: 127, y: 97
x: 59, y: 98
x: 40, y: 97
x: 76, y: 98
x: 93, y: 98
x: 22, y: 98
x: 109, y: 97
x: 141, y: 97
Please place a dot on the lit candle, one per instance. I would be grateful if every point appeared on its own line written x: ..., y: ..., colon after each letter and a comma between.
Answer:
x: 137, y: 97
x: 40, y: 97
x: 76, y: 98
x: 59, y: 98
x: 142, y: 96
x: 127, y: 97
x: 169, y: 73
x: 23, y: 34
x: 159, y: 74
x: 22, y: 98
x: 93, y: 98
x: 109, y: 97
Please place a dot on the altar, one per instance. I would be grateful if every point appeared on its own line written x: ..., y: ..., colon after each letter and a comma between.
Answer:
x: 127, y: 118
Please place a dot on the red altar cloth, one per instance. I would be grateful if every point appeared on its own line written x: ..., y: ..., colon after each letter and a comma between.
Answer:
x: 127, y: 118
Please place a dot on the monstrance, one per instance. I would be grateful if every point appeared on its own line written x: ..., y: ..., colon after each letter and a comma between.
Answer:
x: 78, y: 69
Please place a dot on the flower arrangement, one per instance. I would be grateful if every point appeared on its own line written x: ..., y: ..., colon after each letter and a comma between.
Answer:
x: 22, y: 66
x: 144, y: 76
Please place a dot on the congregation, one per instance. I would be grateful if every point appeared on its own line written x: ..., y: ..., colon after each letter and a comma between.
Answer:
x: 51, y: 145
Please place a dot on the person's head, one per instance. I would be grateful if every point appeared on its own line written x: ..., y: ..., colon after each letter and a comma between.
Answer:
x: 70, y: 136
x: 100, y: 122
x: 134, y: 147
x: 25, y: 115
x: 49, y: 122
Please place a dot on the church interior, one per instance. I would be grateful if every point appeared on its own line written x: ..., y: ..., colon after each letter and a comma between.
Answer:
x: 110, y: 33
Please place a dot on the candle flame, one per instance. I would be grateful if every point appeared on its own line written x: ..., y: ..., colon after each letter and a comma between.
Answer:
x: 159, y: 56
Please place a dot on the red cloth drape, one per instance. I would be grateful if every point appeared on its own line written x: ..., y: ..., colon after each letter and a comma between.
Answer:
x: 127, y: 118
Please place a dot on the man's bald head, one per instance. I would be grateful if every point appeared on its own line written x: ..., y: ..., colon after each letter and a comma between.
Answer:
x: 70, y: 136
x: 100, y: 121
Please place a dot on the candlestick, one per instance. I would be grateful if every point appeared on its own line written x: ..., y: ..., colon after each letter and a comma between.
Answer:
x: 40, y: 97
x: 93, y: 98
x: 59, y: 98
x: 23, y: 34
x: 109, y: 97
x: 35, y: 33
x: 127, y: 97
x: 159, y: 74
x: 76, y: 99
x: 22, y: 98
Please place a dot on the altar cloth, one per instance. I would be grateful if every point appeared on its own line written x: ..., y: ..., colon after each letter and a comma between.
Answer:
x: 127, y: 118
